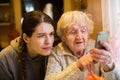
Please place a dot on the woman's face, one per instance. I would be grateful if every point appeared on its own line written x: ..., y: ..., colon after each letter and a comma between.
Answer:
x: 41, y: 41
x: 76, y: 36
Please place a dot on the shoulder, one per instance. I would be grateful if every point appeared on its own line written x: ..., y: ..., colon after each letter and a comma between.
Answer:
x: 8, y: 62
x: 57, y: 49
x: 11, y: 50
x: 8, y: 51
x: 60, y: 53
x: 8, y: 54
x: 61, y: 49
x: 57, y: 52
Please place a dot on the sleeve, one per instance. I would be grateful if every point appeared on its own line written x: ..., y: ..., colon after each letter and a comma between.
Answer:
x: 112, y: 75
x: 55, y: 70
x: 3, y: 74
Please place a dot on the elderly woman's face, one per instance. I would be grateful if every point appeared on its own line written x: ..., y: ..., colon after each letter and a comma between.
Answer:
x: 76, y: 36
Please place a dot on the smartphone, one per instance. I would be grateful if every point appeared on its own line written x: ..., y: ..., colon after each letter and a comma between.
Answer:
x: 101, y: 36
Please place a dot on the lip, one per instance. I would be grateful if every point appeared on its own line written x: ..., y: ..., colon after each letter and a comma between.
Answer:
x: 47, y: 48
x: 78, y: 42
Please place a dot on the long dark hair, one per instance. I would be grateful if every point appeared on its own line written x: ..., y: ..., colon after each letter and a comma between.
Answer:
x: 30, y: 21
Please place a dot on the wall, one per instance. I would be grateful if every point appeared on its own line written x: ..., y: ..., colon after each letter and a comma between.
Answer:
x: 17, y: 12
x: 94, y: 8
x: 69, y: 5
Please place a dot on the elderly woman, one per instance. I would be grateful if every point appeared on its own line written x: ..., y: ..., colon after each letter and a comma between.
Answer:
x: 69, y: 59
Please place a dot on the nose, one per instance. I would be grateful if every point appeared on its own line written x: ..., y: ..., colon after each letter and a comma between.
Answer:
x: 79, y: 35
x: 47, y: 39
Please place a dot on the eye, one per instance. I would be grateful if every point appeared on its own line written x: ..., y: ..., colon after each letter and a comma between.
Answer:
x: 83, y: 30
x: 72, y: 32
x: 52, y: 33
x: 41, y: 35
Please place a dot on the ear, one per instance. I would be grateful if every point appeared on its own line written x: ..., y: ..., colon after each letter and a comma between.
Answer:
x: 63, y: 39
x: 25, y: 38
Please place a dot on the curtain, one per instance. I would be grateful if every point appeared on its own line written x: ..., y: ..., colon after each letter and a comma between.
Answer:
x: 111, y: 22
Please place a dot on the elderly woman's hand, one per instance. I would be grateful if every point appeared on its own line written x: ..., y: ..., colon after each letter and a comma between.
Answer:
x: 103, y: 56
x: 86, y: 63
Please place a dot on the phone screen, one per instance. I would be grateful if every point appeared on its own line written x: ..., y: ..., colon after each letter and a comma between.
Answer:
x: 101, y: 36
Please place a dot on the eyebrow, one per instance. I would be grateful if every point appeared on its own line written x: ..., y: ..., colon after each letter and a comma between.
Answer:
x: 45, y: 33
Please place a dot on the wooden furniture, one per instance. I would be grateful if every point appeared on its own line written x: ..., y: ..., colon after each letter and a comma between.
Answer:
x: 6, y: 13
x: 6, y: 21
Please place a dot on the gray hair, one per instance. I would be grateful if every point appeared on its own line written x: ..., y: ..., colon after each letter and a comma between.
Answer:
x: 70, y: 16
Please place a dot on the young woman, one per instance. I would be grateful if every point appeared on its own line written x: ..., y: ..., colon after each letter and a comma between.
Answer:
x: 26, y: 56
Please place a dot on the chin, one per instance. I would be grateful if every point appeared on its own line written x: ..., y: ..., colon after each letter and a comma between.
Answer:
x: 44, y: 54
x: 47, y: 53
x: 81, y: 48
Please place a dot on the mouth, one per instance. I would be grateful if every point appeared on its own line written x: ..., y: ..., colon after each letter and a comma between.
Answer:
x: 47, y: 48
x: 79, y: 42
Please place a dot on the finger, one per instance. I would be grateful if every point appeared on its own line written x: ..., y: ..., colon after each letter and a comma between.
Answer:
x: 85, y: 64
x: 91, y: 67
x: 105, y: 45
x: 100, y: 55
x: 89, y: 64
x: 82, y: 62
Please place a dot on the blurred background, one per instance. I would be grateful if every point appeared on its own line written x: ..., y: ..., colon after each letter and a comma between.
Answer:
x: 104, y: 13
